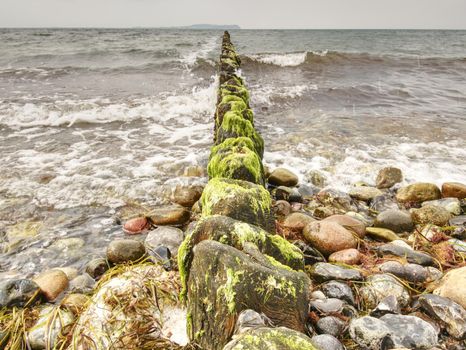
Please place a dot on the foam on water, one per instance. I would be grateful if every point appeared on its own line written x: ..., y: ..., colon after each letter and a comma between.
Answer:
x: 190, y: 59
x: 291, y: 59
x: 420, y: 162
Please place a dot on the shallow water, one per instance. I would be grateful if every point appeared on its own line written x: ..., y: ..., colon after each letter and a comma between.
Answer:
x: 94, y: 119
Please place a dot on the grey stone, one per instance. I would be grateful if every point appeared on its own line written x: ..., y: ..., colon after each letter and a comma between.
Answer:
x: 327, y: 306
x: 388, y: 305
x: 125, y: 250
x: 411, y: 255
x: 458, y: 221
x: 458, y: 245
x: 248, y: 319
x: 383, y: 202
x: 396, y: 220
x: 380, y: 286
x: 288, y: 194
x: 365, y: 193
x: 97, y: 267
x: 170, y: 237
x: 323, y: 272
x: 371, y: 333
x: 18, y: 292
x: 326, y: 342
x: 339, y: 290
x: 447, y: 312
x: 330, y: 325
x: 388, y: 176
x: 452, y: 205
x: 410, y: 331
x: 82, y: 284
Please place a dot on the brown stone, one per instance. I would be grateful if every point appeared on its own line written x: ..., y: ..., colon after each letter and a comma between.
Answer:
x: 173, y: 215
x: 388, y: 177
x: 136, y: 226
x: 283, y: 177
x: 125, y: 250
x: 186, y: 195
x: 297, y: 221
x: 454, y: 189
x: 418, y: 192
x: 329, y: 237
x: 75, y: 302
x: 431, y: 214
x: 349, y: 223
x: 347, y: 256
x: 52, y: 283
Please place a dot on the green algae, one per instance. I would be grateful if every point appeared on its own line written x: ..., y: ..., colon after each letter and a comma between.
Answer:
x: 235, y: 125
x: 240, y: 91
x: 227, y: 290
x: 277, y: 264
x: 256, y: 198
x: 236, y: 159
x: 274, y: 339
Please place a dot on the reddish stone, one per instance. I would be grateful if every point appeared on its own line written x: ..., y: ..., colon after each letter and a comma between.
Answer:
x: 347, y: 256
x: 136, y: 226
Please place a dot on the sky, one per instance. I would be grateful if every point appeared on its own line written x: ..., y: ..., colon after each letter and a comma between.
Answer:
x: 293, y: 14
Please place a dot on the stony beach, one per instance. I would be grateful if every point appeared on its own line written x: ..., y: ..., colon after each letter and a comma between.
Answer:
x: 251, y: 257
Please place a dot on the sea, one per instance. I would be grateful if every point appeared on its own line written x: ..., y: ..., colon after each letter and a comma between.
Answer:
x: 95, y: 119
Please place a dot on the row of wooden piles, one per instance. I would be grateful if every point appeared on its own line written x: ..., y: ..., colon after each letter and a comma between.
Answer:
x: 232, y: 260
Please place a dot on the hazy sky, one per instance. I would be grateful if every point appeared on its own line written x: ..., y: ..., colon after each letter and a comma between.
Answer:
x: 446, y: 14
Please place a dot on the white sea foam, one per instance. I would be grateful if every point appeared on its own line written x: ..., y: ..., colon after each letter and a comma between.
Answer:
x: 267, y: 94
x: 420, y: 162
x: 198, y: 102
x: 291, y: 59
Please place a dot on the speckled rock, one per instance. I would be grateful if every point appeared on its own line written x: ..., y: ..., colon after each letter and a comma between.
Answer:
x: 418, y: 192
x: 389, y: 176
x: 447, y: 312
x: 82, y: 284
x: 431, y: 214
x: 388, y: 305
x: 339, y: 290
x: 452, y: 205
x: 297, y: 221
x: 330, y: 325
x: 97, y: 267
x: 371, y: 333
x: 326, y: 342
x: 395, y: 220
x: 327, y: 306
x: 380, y: 286
x: 410, y: 331
x: 454, y: 189
x: 329, y: 237
x: 283, y: 177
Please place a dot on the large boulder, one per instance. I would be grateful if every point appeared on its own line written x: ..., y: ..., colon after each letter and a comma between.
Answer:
x: 418, y: 192
x: 135, y: 310
x: 223, y: 281
x: 263, y: 338
x: 240, y: 200
x: 329, y: 237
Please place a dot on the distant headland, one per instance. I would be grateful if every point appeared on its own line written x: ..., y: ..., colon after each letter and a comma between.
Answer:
x: 211, y: 26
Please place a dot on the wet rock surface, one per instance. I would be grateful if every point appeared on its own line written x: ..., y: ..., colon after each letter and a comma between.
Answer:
x: 18, y: 292
x: 394, y: 220
x: 125, y: 250
x: 323, y: 272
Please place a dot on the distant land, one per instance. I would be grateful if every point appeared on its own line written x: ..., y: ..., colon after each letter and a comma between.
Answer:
x: 212, y: 26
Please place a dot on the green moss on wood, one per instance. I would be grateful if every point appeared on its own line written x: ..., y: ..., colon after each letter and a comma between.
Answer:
x: 236, y: 159
x: 227, y: 290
